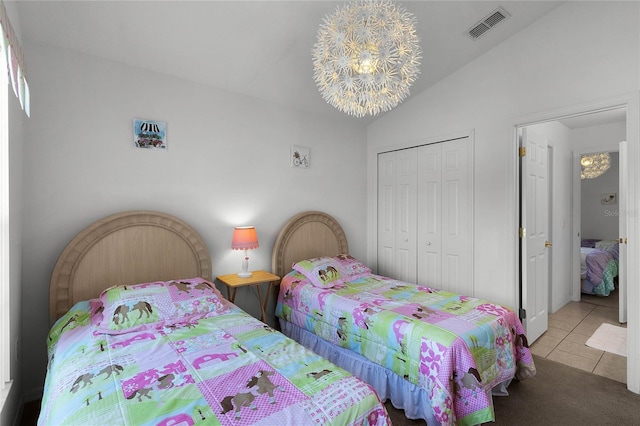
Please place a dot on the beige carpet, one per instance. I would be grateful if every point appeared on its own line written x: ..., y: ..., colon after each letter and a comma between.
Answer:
x: 609, y: 338
x: 558, y: 395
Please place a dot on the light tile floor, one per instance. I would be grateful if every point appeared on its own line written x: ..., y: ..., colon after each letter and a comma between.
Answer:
x: 571, y: 326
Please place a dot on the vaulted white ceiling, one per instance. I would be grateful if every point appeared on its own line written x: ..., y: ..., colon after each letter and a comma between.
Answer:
x: 258, y: 48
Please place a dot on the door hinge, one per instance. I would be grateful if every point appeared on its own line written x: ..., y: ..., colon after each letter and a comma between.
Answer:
x: 522, y: 151
x: 522, y: 313
x: 523, y: 232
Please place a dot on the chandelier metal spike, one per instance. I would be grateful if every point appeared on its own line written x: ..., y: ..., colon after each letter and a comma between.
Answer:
x: 366, y: 57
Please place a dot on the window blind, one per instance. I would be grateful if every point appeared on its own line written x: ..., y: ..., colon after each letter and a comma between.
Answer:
x: 14, y: 60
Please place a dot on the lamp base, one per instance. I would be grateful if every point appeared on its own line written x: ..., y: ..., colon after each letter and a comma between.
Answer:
x: 244, y: 274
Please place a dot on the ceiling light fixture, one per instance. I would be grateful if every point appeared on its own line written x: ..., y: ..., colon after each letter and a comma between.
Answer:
x: 366, y: 57
x: 594, y: 165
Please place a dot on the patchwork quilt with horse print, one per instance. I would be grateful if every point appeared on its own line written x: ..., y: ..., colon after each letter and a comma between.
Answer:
x: 456, y: 348
x: 225, y: 369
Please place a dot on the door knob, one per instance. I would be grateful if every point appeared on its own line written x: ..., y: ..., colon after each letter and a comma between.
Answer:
x: 547, y: 244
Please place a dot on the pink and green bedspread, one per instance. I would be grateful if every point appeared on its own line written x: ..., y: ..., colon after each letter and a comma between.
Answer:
x: 457, y: 348
x: 210, y: 367
x: 598, y: 269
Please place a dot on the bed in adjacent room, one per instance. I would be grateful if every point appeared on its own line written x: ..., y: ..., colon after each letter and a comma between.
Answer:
x: 171, y: 350
x: 598, y: 266
x: 439, y: 356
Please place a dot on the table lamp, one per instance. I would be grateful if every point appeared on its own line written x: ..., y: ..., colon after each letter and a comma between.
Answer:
x: 244, y: 238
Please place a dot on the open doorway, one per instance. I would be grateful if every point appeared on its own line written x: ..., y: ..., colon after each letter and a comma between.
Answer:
x: 599, y: 214
x: 596, y: 201
x: 567, y: 140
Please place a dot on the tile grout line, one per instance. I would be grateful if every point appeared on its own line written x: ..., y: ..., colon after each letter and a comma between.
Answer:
x: 585, y: 343
x: 590, y: 314
x: 571, y: 331
x: 577, y: 325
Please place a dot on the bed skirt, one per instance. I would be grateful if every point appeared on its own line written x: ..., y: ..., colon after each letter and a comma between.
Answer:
x: 389, y: 386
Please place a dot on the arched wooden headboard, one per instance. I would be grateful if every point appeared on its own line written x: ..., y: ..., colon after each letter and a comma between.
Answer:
x: 126, y: 248
x: 307, y: 235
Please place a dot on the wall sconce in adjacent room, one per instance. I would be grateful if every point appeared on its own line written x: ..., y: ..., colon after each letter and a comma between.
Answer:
x: 244, y: 238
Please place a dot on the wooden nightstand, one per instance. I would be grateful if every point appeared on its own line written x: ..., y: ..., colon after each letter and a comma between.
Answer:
x: 233, y: 281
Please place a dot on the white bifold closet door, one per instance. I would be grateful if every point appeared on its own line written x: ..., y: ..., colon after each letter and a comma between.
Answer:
x: 444, y: 222
x: 424, y: 223
x: 397, y: 213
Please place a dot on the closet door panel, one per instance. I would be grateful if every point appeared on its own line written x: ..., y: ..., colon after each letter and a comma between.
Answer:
x: 397, y: 215
x: 430, y: 215
x: 406, y: 214
x: 430, y: 271
x: 451, y: 271
x: 386, y: 213
x: 456, y: 227
x: 443, y: 216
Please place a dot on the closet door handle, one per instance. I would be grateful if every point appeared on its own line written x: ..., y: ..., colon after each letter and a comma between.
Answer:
x: 547, y: 244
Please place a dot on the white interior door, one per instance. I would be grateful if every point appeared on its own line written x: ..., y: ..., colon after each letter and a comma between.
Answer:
x: 622, y: 224
x: 534, y: 187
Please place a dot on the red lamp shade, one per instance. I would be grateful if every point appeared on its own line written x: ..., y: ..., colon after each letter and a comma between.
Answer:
x: 244, y: 238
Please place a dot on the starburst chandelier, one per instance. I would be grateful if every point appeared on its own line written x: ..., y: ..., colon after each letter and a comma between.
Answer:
x: 366, y: 57
x: 594, y: 165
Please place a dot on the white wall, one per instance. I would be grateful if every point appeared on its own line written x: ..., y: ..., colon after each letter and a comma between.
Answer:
x: 558, y: 61
x: 227, y: 164
x: 603, y: 137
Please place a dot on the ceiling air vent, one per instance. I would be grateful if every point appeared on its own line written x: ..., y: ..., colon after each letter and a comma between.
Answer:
x: 488, y: 22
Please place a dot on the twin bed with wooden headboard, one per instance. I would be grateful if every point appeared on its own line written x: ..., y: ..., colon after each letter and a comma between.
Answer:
x: 142, y: 336
x: 439, y: 356
x: 126, y: 248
